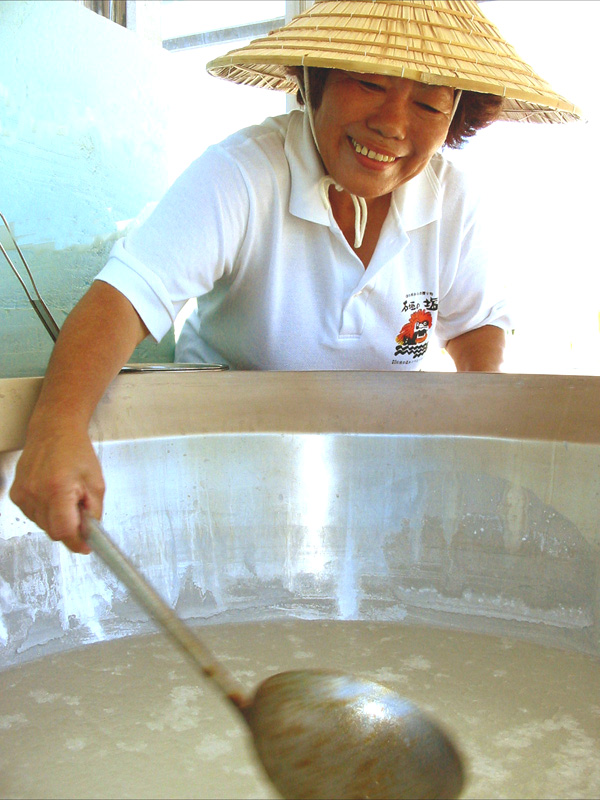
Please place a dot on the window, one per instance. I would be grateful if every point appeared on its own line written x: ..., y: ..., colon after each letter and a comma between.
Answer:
x: 115, y: 10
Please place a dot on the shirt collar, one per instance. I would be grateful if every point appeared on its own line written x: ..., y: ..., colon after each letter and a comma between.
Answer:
x: 415, y: 203
x: 306, y: 170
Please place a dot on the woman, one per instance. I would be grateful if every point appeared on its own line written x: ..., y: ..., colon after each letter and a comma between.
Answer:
x: 336, y: 238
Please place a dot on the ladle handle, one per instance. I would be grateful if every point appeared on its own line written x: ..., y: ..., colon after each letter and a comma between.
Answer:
x: 103, y: 546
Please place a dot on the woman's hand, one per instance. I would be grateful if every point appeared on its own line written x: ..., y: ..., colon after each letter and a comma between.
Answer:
x: 58, y: 476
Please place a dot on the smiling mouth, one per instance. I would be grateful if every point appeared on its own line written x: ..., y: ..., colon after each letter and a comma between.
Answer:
x: 372, y: 154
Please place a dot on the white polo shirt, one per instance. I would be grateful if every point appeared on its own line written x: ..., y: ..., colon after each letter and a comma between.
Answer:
x: 246, y: 230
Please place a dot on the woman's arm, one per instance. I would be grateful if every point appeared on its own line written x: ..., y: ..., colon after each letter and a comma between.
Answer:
x: 479, y: 350
x: 58, y: 472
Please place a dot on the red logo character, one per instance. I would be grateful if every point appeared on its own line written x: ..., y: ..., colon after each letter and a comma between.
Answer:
x: 412, y: 339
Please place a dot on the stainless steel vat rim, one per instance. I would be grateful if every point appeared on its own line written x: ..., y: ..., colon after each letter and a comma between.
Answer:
x: 559, y: 408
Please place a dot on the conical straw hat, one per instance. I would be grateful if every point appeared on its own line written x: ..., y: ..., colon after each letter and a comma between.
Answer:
x: 448, y: 42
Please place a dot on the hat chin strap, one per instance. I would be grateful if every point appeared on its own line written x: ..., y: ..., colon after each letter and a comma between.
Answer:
x: 360, y: 207
x: 457, y: 96
x: 360, y: 204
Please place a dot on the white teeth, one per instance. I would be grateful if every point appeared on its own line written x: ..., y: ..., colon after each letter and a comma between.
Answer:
x: 360, y: 148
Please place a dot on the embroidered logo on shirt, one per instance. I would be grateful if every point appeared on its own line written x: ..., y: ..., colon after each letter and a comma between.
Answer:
x: 413, y: 338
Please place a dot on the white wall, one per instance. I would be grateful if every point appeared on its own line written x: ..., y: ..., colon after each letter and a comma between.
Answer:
x: 83, y: 131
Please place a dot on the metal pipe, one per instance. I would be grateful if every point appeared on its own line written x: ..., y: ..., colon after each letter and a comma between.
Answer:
x: 37, y: 302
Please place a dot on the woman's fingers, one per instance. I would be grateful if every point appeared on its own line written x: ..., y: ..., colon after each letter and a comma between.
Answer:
x: 55, y: 480
x: 63, y: 521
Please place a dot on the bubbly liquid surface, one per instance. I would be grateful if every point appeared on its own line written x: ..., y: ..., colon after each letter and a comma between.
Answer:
x: 131, y: 718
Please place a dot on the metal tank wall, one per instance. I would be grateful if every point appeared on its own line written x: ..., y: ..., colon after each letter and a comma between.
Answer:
x: 468, y: 501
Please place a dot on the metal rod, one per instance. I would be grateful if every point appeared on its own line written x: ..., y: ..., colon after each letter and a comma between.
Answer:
x: 37, y: 302
x: 147, y: 596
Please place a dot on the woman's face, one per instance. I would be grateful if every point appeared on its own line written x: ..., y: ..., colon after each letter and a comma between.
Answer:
x: 376, y: 132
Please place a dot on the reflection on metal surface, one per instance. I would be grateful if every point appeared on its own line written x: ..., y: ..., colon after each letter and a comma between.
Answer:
x: 373, y: 709
x: 314, y: 485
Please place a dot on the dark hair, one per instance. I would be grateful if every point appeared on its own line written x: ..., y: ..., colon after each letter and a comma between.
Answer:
x: 475, y: 110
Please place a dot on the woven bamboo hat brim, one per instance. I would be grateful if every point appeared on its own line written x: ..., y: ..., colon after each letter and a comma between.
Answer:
x: 447, y: 42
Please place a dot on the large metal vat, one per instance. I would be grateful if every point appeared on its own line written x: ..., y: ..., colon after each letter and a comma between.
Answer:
x: 467, y: 502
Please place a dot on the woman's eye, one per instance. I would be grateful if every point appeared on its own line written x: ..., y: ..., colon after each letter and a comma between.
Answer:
x: 429, y: 108
x: 368, y: 85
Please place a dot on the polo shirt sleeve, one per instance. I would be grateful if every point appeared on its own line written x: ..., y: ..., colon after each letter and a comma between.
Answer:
x: 473, y: 289
x: 189, y: 242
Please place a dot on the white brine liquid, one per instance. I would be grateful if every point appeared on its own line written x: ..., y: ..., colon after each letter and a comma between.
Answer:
x: 131, y: 718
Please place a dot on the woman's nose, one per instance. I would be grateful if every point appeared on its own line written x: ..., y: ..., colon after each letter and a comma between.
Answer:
x: 390, y: 118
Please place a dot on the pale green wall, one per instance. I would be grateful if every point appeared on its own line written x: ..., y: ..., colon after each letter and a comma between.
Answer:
x: 83, y: 129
